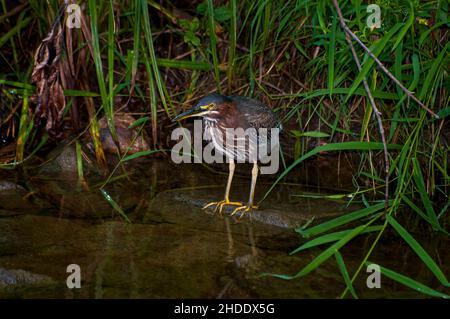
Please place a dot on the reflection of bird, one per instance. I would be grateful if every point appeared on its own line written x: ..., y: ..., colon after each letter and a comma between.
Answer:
x: 221, y: 113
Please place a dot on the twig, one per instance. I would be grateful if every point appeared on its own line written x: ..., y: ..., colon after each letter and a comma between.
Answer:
x: 380, y: 124
x: 374, y: 107
x: 378, y: 62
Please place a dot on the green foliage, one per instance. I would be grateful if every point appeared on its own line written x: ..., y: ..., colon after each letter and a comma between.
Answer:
x: 191, y: 27
x: 221, y: 13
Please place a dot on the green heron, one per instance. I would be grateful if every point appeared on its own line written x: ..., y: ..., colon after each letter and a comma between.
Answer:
x: 221, y: 113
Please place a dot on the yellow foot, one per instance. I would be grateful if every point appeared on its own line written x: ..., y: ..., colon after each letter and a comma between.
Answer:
x: 244, y: 209
x: 219, y: 205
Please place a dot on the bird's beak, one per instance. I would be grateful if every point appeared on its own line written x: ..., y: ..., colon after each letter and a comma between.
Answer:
x: 190, y: 113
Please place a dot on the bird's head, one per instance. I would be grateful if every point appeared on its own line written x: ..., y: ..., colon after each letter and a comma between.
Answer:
x: 209, y: 107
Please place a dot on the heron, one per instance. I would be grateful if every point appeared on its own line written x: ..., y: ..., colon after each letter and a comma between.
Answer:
x: 221, y: 113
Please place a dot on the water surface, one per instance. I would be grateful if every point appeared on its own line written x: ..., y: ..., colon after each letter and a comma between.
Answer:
x: 172, y: 248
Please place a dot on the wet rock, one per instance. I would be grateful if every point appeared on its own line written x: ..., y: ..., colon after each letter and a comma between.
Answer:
x: 125, y: 135
x: 13, y: 277
x: 10, y: 186
x: 62, y: 160
x: 280, y: 214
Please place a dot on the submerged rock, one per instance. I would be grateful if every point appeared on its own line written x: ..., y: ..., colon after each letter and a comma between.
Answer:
x: 13, y: 199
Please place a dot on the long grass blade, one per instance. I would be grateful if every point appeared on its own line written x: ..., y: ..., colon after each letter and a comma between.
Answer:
x: 98, y: 63
x: 24, y: 130
x: 344, y: 272
x: 423, y: 255
x: 322, y: 257
x: 339, y: 221
x: 232, y: 49
x: 411, y: 283
x: 362, y: 146
x: 329, y: 238
x: 114, y: 205
x: 151, y: 52
x: 109, y: 107
x: 376, y: 50
x: 331, y: 51
x: 420, y: 184
x: 213, y: 41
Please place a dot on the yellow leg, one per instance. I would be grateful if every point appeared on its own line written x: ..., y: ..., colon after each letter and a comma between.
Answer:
x: 226, y: 201
x: 248, y: 208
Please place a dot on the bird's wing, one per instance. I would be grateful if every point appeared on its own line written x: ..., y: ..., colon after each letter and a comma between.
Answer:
x: 256, y: 113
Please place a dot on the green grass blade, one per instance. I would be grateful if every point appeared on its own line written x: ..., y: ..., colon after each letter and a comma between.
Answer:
x: 339, y: 221
x: 14, y: 164
x: 23, y: 131
x: 109, y: 107
x: 310, y: 134
x: 97, y: 58
x: 19, y: 26
x: 213, y: 41
x: 71, y: 92
x: 378, y: 48
x: 337, y: 90
x: 366, y: 120
x: 332, y: 237
x: 426, y: 35
x: 423, y: 255
x: 322, y: 257
x: 114, y: 205
x: 344, y: 146
x: 411, y: 283
x: 20, y: 85
x: 405, y: 28
x: 151, y: 51
x: 136, y: 42
x: 183, y: 64
x: 331, y: 51
x: 431, y: 75
x: 232, y: 49
x: 139, y: 121
x: 153, y: 103
x: 420, y: 184
x: 140, y: 154
x: 344, y: 272
x: 79, y: 159
x: 444, y: 112
x: 415, y: 208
